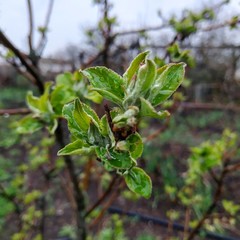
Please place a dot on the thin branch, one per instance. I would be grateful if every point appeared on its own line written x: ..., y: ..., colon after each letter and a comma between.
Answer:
x: 26, y: 74
x: 30, y: 20
x: 103, y: 196
x: 16, y: 111
x: 218, y: 26
x: 155, y: 46
x: 208, y: 106
x: 233, y: 167
x: 42, y: 41
x: 109, y: 202
x: 213, y: 175
x: 157, y: 132
x: 31, y: 69
x: 78, y: 193
x: 93, y: 59
x: 140, y: 30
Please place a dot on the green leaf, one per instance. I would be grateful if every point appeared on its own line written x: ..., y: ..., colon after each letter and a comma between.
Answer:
x: 116, y: 159
x: 94, y: 96
x: 145, y: 78
x: 106, y: 130
x: 29, y: 124
x: 33, y: 102
x: 104, y: 126
x: 77, y: 147
x: 73, y: 127
x: 95, y: 137
x: 7, y: 209
x: 91, y: 114
x: 167, y: 83
x: 52, y: 126
x: 32, y: 196
x: 65, y: 79
x: 147, y: 110
x: 80, y: 116
x: 134, y: 66
x: 110, y: 96
x: 105, y: 81
x: 44, y: 100
x: 40, y: 104
x: 60, y: 96
x: 139, y: 182
x: 135, y: 145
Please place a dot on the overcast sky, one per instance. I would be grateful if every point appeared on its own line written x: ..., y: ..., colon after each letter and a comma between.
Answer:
x: 70, y: 17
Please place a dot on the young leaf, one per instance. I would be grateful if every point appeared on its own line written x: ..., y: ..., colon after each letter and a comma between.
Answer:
x: 33, y: 102
x: 95, y: 137
x: 139, y: 182
x: 44, y: 100
x: 77, y: 147
x: 134, y: 66
x: 73, y: 127
x: 105, y: 81
x: 106, y: 131
x: 145, y: 78
x: 135, y: 145
x: 52, y: 126
x: 109, y: 96
x: 59, y: 96
x: 65, y: 79
x: 94, y: 96
x: 29, y: 124
x: 116, y: 159
x: 147, y: 110
x: 167, y: 83
x: 80, y: 116
x: 91, y: 114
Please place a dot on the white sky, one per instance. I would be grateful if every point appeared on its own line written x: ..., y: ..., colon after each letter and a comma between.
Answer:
x: 69, y: 18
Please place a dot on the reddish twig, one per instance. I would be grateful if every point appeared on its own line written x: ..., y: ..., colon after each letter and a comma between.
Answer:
x: 157, y: 132
x: 103, y: 196
x: 109, y: 202
x: 233, y: 168
x: 16, y: 111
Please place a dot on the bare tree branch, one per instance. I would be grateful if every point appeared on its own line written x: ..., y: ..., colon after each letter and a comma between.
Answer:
x: 30, y: 68
x: 42, y: 42
x: 30, y: 34
x: 103, y: 196
x: 16, y: 111
x: 140, y: 30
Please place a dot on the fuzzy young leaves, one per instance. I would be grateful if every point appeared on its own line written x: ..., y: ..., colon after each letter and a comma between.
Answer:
x: 145, y: 78
x: 29, y: 124
x: 40, y: 104
x: 134, y: 66
x: 139, y: 182
x: 166, y: 83
x: 79, y: 117
x: 135, y: 145
x: 147, y: 110
x: 77, y: 147
x: 106, y: 82
x: 116, y: 159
